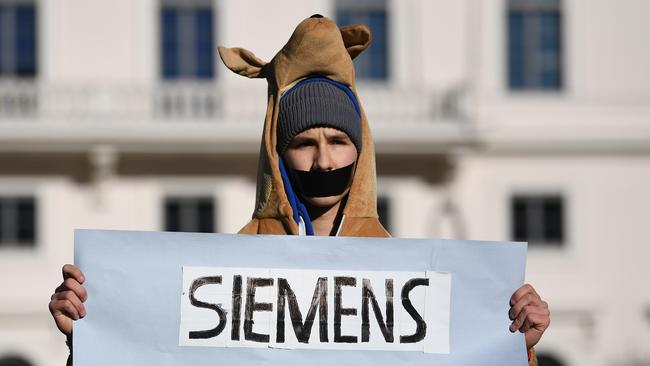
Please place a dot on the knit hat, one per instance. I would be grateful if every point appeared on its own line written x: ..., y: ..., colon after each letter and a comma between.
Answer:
x: 318, y: 102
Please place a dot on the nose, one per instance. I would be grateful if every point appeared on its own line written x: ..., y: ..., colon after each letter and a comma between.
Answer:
x: 323, y: 160
x: 316, y: 16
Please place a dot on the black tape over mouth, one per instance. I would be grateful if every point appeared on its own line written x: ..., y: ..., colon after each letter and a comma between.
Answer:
x: 323, y: 183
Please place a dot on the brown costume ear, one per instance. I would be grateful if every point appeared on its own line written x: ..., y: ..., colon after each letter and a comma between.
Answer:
x: 356, y: 38
x: 242, y: 62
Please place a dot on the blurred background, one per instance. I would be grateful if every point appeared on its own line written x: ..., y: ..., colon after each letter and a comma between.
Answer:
x: 493, y: 120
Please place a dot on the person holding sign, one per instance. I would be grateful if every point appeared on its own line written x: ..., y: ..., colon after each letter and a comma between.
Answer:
x: 317, y: 168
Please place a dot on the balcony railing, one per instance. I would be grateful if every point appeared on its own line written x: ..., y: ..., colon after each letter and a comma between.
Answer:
x: 18, y: 99
x: 208, y: 103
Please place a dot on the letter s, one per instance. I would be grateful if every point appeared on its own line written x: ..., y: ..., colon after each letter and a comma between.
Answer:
x: 210, y: 333
x: 421, y: 326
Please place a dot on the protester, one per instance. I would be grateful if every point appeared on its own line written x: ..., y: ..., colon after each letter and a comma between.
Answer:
x: 317, y: 169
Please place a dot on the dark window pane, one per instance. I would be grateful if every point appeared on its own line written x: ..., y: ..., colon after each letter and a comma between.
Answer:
x: 549, y: 33
x: 534, y: 45
x: 170, y: 46
x: 383, y: 210
x: 205, y: 216
x: 550, y: 50
x: 18, y: 221
x: 537, y: 219
x: 4, y: 11
x: 26, y: 225
x: 25, y: 40
x: 190, y: 214
x: 3, y: 218
x: 204, y: 43
x: 553, y: 220
x: 187, y: 42
x: 519, y: 220
x: 516, y: 50
x: 172, y: 215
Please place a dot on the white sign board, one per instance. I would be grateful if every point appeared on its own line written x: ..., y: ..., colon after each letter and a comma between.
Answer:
x: 188, y: 298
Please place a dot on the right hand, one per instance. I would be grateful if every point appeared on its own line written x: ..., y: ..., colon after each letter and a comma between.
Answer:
x: 66, y: 303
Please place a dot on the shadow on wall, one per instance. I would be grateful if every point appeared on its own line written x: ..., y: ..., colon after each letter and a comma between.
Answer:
x: 13, y: 361
x: 631, y: 361
x: 545, y: 359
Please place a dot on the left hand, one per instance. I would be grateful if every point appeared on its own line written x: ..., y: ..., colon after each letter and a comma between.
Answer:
x: 529, y: 313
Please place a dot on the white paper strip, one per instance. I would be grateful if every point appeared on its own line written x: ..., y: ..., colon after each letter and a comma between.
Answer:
x: 315, y: 309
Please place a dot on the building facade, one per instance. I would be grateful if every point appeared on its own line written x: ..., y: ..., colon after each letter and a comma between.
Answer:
x: 493, y: 120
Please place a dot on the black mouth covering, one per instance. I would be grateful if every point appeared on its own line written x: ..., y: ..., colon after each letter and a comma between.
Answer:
x: 322, y: 183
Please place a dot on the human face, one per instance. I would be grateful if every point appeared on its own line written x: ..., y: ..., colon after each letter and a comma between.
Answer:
x: 321, y: 149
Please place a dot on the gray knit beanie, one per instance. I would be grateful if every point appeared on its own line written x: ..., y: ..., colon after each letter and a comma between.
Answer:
x: 314, y: 103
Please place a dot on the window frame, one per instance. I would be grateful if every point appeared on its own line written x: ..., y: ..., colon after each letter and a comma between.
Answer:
x: 563, y: 242
x: 187, y: 5
x: 165, y: 199
x: 387, y: 221
x: 370, y: 6
x: 16, y: 245
x: 535, y: 73
x: 13, y: 74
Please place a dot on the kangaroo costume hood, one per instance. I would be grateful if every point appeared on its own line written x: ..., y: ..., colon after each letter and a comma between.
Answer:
x: 317, y: 48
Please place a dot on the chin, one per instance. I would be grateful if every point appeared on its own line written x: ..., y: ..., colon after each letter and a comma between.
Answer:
x: 324, y: 202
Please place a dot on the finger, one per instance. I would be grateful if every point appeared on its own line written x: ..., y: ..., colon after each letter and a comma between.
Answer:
x: 64, y: 285
x: 63, y: 321
x: 527, y: 299
x: 77, y: 288
x: 518, y: 321
x: 529, y: 313
x: 74, y: 299
x: 71, y: 297
x: 64, y: 307
x: 70, y: 271
x: 521, y: 292
x: 537, y: 321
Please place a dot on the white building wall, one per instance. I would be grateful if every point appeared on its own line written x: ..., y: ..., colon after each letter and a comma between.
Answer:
x: 105, y: 42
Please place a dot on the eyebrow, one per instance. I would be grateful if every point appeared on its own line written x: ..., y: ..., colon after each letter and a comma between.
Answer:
x: 336, y: 135
x: 301, y: 139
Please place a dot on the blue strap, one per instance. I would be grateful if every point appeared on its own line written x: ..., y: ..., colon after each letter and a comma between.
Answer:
x: 299, y: 210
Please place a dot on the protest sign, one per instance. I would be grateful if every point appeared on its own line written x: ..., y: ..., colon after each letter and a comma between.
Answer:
x: 189, y: 298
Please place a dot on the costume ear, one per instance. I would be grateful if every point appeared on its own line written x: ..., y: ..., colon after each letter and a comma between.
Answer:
x: 242, y: 62
x: 356, y: 38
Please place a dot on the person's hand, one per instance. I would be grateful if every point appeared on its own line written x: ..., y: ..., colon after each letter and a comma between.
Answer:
x: 66, y: 304
x: 529, y: 314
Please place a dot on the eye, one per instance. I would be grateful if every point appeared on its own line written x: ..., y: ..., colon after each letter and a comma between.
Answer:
x: 340, y: 141
x: 299, y: 144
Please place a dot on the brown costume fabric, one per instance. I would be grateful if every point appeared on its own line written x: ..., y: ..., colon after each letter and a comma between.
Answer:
x: 532, y: 357
x: 316, y: 48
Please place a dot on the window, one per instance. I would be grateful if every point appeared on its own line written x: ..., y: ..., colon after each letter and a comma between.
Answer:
x: 187, y: 40
x: 17, y: 221
x: 190, y: 214
x: 17, y: 39
x: 372, y: 64
x: 538, y: 219
x: 383, y: 210
x: 534, y: 45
